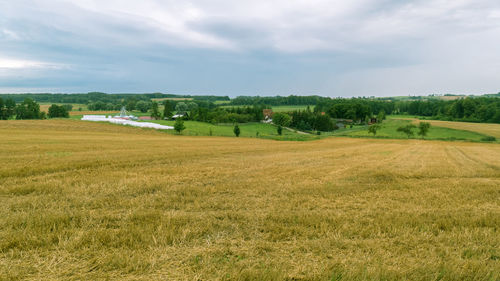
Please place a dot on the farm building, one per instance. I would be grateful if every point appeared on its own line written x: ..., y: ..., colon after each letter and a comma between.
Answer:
x: 177, y: 116
x: 268, y: 113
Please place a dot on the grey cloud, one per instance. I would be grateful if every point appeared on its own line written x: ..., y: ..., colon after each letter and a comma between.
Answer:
x: 328, y: 47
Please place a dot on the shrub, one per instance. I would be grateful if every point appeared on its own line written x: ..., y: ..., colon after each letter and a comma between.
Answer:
x: 408, y: 130
x: 373, y: 129
x: 58, y: 111
x: 236, y: 130
x: 282, y: 119
x: 423, y: 129
x: 489, y: 138
x: 179, y: 125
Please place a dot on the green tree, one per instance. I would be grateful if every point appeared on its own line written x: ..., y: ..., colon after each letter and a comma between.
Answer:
x: 192, y: 106
x: 167, y: 109
x: 28, y: 109
x: 408, y: 130
x: 423, y: 129
x: 142, y: 106
x: 181, y: 107
x: 56, y: 111
x: 179, y: 125
x: 282, y: 119
x: 155, y: 113
x: 381, y: 116
x: 68, y: 107
x: 324, y: 123
x: 131, y: 103
x: 236, y: 130
x: 10, y: 108
x: 373, y: 129
x: 280, y: 130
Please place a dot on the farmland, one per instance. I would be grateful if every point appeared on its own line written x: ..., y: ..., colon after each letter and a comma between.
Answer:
x: 482, y: 128
x: 248, y: 130
x: 437, y: 131
x: 278, y: 108
x: 98, y: 201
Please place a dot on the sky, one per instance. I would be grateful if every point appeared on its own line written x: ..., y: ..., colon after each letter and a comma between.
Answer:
x: 331, y: 48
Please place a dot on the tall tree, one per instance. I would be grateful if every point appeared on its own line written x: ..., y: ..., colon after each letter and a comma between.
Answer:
x: 155, y: 113
x: 167, y: 109
x: 423, y: 129
x: 236, y: 130
x: 10, y: 108
x: 58, y: 111
x: 179, y: 125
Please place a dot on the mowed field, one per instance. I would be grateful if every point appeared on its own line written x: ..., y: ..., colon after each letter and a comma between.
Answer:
x: 483, y: 128
x: 90, y: 201
x: 489, y: 129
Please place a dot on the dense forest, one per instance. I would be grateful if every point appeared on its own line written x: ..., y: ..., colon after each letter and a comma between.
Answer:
x: 477, y: 109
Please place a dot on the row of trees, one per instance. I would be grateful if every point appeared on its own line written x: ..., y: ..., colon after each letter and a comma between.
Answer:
x: 480, y: 109
x: 305, y: 121
x: 423, y: 129
x: 356, y: 109
x: 93, y: 97
x: 30, y: 109
x: 228, y: 115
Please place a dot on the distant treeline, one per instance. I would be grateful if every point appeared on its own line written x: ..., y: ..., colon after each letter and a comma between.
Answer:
x: 103, y: 97
x: 278, y: 100
x: 477, y: 109
x: 249, y: 109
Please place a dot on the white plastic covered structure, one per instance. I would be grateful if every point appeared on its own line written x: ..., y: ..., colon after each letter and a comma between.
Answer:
x: 115, y: 120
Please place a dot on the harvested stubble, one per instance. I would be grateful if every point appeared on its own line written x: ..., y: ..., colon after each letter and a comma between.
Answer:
x: 99, y: 201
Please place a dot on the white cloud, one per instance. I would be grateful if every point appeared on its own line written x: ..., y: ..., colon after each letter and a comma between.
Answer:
x: 9, y: 63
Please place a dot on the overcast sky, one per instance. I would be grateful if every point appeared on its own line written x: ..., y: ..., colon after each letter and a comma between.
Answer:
x: 251, y: 47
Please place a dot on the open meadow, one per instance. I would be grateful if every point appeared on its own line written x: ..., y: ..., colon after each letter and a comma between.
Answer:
x: 451, y: 131
x: 490, y: 129
x: 92, y: 201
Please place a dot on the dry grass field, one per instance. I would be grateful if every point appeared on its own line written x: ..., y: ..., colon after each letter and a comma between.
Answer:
x: 88, y: 201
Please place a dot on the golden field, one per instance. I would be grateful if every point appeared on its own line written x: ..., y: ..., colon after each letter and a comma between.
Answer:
x: 88, y: 201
